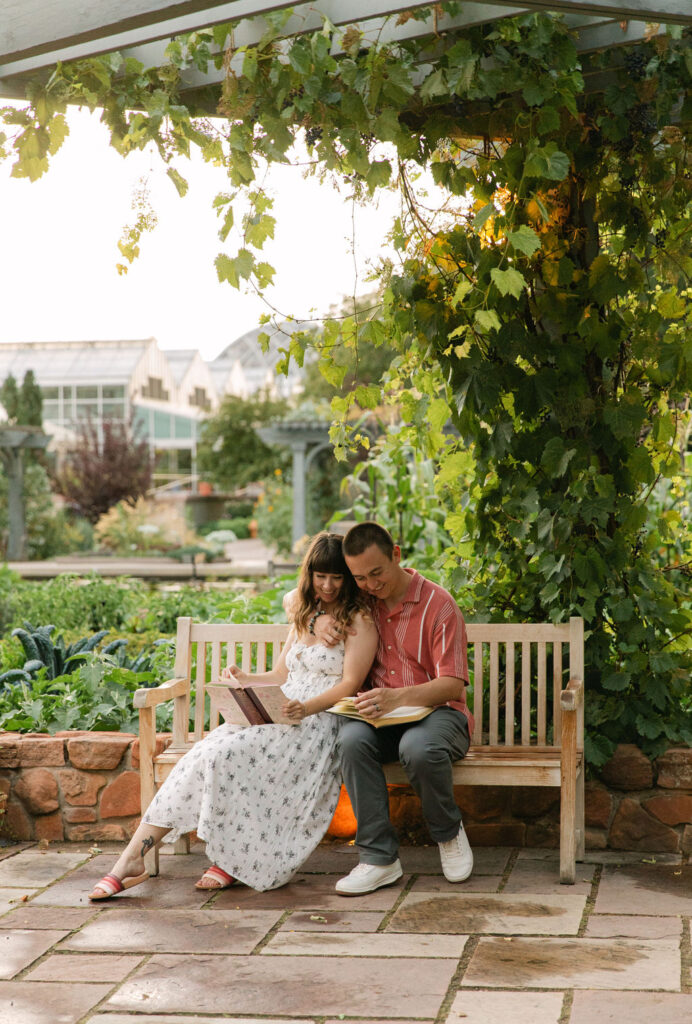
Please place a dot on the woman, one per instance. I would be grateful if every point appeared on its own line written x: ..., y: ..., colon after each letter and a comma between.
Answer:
x: 262, y: 797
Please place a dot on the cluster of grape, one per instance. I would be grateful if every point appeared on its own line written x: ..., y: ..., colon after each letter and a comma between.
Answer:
x: 660, y: 238
x: 313, y: 135
x: 635, y: 64
x: 642, y: 119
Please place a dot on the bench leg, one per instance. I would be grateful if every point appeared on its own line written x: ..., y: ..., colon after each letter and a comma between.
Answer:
x: 147, y: 744
x: 182, y: 845
x: 568, y: 800
x: 151, y: 861
x: 579, y: 823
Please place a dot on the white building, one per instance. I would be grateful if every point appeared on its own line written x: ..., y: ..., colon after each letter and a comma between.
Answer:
x: 165, y: 398
x: 166, y: 393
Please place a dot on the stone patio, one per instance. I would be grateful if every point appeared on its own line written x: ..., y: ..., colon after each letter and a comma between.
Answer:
x: 510, y: 946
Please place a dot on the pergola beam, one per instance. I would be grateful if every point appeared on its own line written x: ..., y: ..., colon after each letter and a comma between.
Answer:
x: 46, y: 27
x: 142, y: 28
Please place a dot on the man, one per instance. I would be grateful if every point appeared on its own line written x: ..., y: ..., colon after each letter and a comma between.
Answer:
x: 420, y: 660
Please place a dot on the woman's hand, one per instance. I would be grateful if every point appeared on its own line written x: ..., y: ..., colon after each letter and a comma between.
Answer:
x: 375, y: 703
x: 233, y: 674
x: 295, y: 710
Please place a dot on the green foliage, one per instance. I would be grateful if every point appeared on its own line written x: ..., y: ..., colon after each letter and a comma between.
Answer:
x: 51, y: 658
x: 239, y: 525
x: 22, y: 404
x: 95, y: 689
x: 97, y: 696
x: 230, y: 452
x: 274, y: 514
x: 75, y: 603
x: 396, y: 487
x: 49, y: 532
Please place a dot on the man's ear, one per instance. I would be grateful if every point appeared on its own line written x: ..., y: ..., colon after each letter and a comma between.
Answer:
x: 396, y: 554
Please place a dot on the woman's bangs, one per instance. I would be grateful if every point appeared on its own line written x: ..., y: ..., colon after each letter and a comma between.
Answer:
x: 330, y: 561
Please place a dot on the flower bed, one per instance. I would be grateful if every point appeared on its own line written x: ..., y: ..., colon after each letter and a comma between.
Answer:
x: 84, y: 786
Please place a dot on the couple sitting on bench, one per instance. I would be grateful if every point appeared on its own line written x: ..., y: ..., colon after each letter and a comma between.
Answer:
x: 263, y: 797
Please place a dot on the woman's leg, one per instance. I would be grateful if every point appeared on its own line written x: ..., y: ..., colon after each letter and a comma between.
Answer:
x: 130, y: 863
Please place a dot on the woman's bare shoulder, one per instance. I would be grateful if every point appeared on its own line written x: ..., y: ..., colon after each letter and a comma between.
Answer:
x: 363, y: 623
x: 290, y: 603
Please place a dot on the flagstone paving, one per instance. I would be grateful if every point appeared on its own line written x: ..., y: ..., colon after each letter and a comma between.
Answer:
x: 510, y: 946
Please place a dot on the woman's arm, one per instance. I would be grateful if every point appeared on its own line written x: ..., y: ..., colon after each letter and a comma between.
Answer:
x: 278, y: 674
x: 359, y: 652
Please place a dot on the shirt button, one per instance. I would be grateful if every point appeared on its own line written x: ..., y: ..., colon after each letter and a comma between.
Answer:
x: 392, y: 672
x: 389, y: 620
x: 389, y: 647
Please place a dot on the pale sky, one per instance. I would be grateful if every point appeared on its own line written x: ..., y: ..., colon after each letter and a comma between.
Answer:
x: 58, y: 277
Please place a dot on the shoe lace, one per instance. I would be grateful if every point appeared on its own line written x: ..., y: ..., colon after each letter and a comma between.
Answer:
x: 361, y: 869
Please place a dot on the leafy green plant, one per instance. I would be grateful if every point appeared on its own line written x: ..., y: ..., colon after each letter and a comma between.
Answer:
x: 84, y: 603
x: 397, y: 487
x: 238, y: 525
x: 274, y: 513
x: 97, y: 696
x: 51, y: 658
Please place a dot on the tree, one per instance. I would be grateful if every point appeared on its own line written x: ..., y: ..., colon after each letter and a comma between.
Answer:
x: 230, y: 452
x: 23, y: 405
x: 106, y: 464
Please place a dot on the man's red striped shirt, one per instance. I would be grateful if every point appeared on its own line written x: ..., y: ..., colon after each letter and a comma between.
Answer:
x: 423, y: 638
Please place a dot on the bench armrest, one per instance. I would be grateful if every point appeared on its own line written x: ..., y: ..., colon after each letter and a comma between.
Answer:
x: 573, y: 695
x: 149, y: 698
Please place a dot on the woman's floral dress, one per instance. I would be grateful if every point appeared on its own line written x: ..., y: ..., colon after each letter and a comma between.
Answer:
x: 261, y: 797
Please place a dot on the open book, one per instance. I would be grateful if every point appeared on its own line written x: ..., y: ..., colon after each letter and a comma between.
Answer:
x: 249, y: 705
x: 346, y: 706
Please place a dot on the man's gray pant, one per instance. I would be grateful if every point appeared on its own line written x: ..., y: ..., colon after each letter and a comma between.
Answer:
x: 426, y: 749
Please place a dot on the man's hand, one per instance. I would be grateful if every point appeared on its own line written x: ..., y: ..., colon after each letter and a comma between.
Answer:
x: 375, y: 703
x: 233, y: 674
x: 330, y: 632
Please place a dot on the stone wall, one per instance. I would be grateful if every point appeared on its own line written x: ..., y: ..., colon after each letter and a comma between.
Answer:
x: 74, y: 785
x: 84, y: 786
x: 635, y: 804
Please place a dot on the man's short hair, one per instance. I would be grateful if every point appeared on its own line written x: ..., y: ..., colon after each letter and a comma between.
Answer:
x: 363, y: 535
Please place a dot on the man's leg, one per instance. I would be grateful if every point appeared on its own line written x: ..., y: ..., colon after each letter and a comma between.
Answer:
x: 364, y: 750
x: 427, y: 751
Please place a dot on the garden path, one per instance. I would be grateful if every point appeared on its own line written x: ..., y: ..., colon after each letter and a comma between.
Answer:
x: 510, y: 946
x: 245, y: 558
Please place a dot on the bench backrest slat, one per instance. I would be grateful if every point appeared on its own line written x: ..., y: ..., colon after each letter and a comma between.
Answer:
x: 517, y: 672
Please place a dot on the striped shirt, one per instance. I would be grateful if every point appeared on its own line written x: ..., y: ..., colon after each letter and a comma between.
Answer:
x: 423, y: 638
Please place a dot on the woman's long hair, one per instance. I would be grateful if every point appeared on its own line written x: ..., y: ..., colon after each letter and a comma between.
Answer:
x: 325, y: 555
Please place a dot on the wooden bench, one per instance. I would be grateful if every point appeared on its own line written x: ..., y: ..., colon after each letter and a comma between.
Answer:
x: 536, y: 670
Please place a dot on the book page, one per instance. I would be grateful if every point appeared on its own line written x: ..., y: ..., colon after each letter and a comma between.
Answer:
x: 412, y: 713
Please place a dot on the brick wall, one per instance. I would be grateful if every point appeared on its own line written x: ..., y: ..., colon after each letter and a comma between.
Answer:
x: 85, y: 786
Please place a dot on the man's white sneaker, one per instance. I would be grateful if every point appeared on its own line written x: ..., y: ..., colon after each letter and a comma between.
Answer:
x: 457, y: 858
x: 368, y: 877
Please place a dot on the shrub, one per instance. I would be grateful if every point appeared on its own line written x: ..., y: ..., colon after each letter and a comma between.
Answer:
x: 239, y: 525
x: 76, y: 604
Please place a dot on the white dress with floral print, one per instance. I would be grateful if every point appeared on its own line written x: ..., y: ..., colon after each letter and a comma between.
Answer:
x: 261, y: 797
